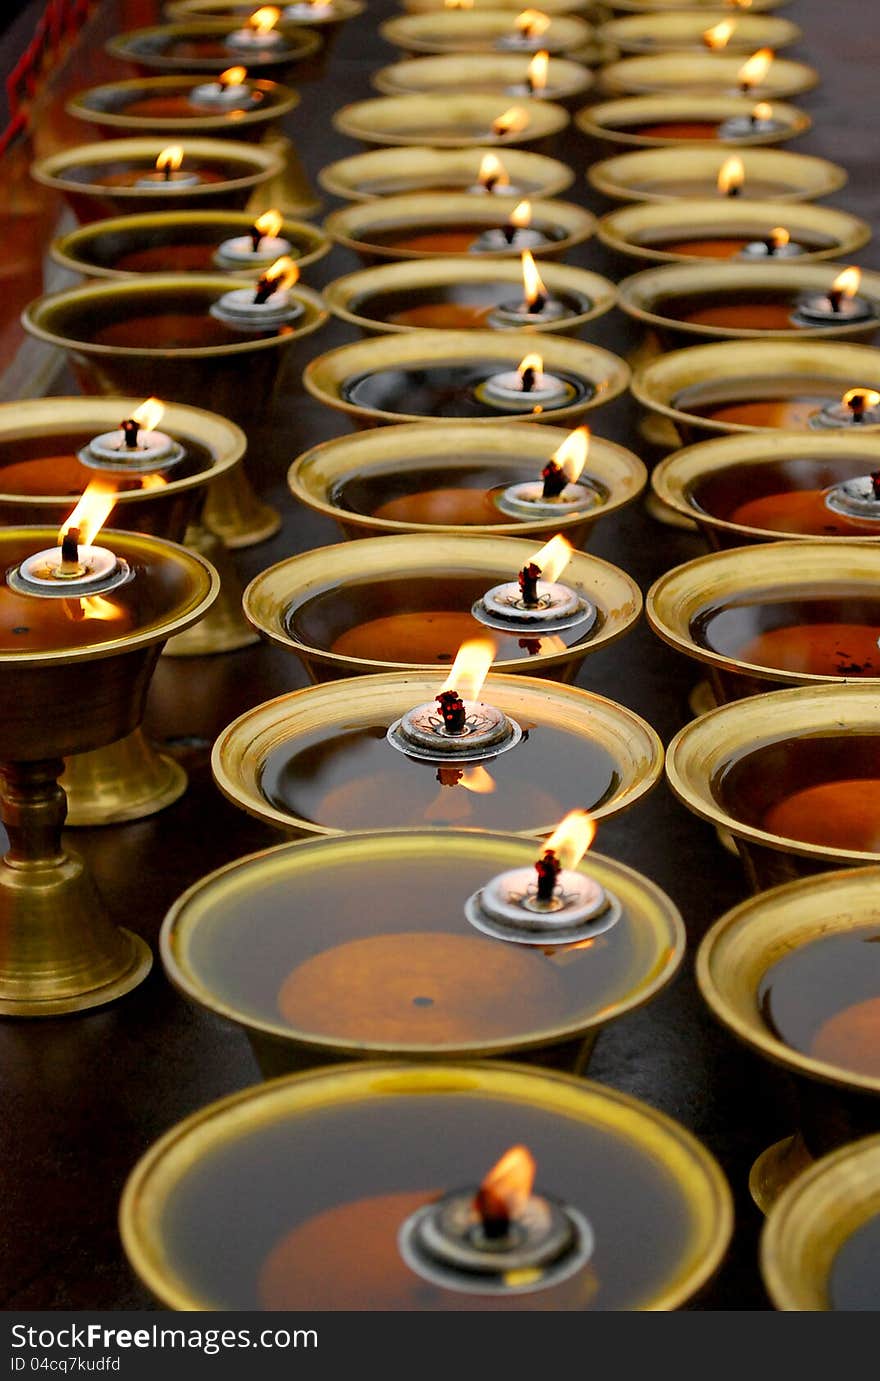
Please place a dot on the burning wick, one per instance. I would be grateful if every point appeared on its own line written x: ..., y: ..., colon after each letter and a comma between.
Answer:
x: 500, y: 1238
x: 718, y: 37
x: 528, y: 386
x: 168, y: 172
x: 760, y: 120
x: 266, y: 306
x: 558, y: 488
x: 528, y: 585
x: 517, y: 234
x: 536, y: 600
x: 453, y: 711
x: 859, y: 407
x: 457, y: 727
x: 537, y: 304
x: 513, y: 121
x: 261, y: 245
x: 731, y: 177
x: 777, y: 245
x: 259, y: 32
x: 137, y: 445
x: 75, y: 566
x: 536, y: 76
x: 230, y: 91
x: 753, y: 71
x: 840, y: 304
x: 528, y: 28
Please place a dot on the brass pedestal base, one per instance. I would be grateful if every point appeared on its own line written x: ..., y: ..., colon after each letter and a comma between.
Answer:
x: 776, y: 1168
x: 224, y: 628
x: 127, y: 780
x: 59, y: 950
x: 702, y: 699
x: 670, y: 517
x: 234, y: 512
x: 290, y: 190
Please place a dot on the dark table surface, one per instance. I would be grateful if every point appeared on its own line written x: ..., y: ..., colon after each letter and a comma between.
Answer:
x: 83, y: 1097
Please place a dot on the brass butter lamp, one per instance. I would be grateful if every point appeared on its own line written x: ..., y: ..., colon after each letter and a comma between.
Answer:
x: 680, y: 32
x: 113, y: 108
x: 685, y: 119
x: 487, y: 74
x: 691, y: 173
x: 398, y: 171
x: 200, y: 46
x: 714, y: 73
x: 585, y: 7
x: 452, y: 120
x: 482, y: 31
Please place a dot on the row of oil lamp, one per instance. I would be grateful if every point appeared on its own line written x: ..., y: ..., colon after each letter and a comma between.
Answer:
x: 572, y: 945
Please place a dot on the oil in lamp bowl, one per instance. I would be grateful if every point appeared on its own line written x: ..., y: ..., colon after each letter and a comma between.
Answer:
x: 169, y: 241
x: 680, y: 232
x: 485, y: 74
x: 451, y: 120
x: 210, y: 10
x: 458, y: 293
x: 672, y: 174
x: 712, y: 73
x: 619, y: 1164
x: 737, y: 387
x: 165, y: 106
x: 763, y: 486
x: 758, y: 767
x: 393, y: 172
x: 200, y: 47
x: 680, y: 120
x: 446, y: 480
x: 818, y: 1250
x: 425, y: 225
x: 463, y: 361
x: 774, y: 614
x: 84, y: 175
x: 481, y: 31
x: 685, y: 303
x: 404, y: 982
x: 342, y: 592
x: 682, y: 32
x: 757, y: 970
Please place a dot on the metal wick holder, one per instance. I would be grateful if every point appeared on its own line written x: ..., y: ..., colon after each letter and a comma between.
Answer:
x: 762, y: 249
x: 520, y: 42
x: 217, y: 96
x: 422, y: 734
x: 742, y: 126
x: 558, y: 608
x: 840, y: 415
x: 521, y: 314
x: 98, y: 572
x: 495, y: 240
x: 109, y: 451
x: 527, y: 501
x: 447, y: 1244
x: 507, y: 390
x: 509, y: 908
x: 819, y: 310
x: 239, y: 310
x: 239, y: 252
x: 855, y: 498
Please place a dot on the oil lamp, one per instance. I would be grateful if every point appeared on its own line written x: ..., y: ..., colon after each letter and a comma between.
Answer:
x: 652, y: 121
x: 231, y: 91
x: 258, y: 248
x: 777, y: 245
x: 519, y: 233
x: 259, y: 33
x: 457, y: 727
x: 75, y: 567
x: 841, y: 303
x: 557, y: 492
x: 536, y: 600
x: 450, y: 120
x: 203, y: 46
x: 761, y: 120
x: 537, y: 305
x: 527, y: 388
x: 136, y: 446
x: 265, y: 306
x: 488, y: 31
x: 665, y: 174
x: 707, y: 73
x: 682, y: 31
x: 528, y: 28
x: 859, y: 407
x: 394, y: 171
x: 168, y: 172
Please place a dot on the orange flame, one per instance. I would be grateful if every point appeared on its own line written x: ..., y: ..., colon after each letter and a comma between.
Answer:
x: 537, y: 72
x: 478, y: 780
x: 169, y: 159
x: 719, y: 35
x: 283, y: 273
x: 532, y: 284
x: 233, y: 76
x: 780, y: 237
x: 493, y: 171
x: 763, y: 111
x: 533, y: 361
x: 91, y: 513
x: 149, y: 414
x: 867, y: 398
x: 731, y: 176
x: 571, y: 838
x: 511, y: 121
x: 153, y: 482
x: 571, y: 456
x: 269, y: 223
x: 532, y: 23
x: 521, y: 215
x: 552, y: 558
x: 507, y: 1188
x: 470, y: 668
x: 755, y: 69
x: 264, y: 18
x: 847, y: 282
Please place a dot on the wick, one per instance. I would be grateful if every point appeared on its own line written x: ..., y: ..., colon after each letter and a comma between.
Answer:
x: 733, y: 191
x: 528, y: 378
x: 528, y: 585
x: 166, y: 172
x: 875, y: 483
x: 548, y: 869
x: 265, y: 289
x: 856, y: 406
x: 130, y: 430
x: 256, y: 236
x: 494, y: 1217
x: 771, y: 244
x: 452, y: 711
x: 538, y: 305
x: 835, y: 297
x: 449, y: 776
x: 508, y: 231
x: 70, y: 552
x: 555, y: 480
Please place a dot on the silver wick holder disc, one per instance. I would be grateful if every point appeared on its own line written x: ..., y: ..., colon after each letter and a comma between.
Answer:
x: 446, y: 1244
x: 760, y: 249
x: 519, y: 42
x: 838, y: 415
x: 741, y: 126
x: 508, y: 908
x: 506, y: 391
x: 495, y: 241
x: 239, y: 252
x: 854, y: 498
x: 99, y: 577
x: 558, y: 608
x: 238, y: 309
x: 527, y: 500
x: 421, y: 734
x: 217, y: 96
x: 519, y: 314
x: 498, y: 189
x: 109, y: 452
x: 819, y: 311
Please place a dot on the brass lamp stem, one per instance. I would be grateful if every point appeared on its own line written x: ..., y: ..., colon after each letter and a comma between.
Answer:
x: 33, y: 808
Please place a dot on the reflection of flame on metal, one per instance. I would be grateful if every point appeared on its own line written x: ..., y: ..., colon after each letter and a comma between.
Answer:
x: 149, y: 414
x: 97, y: 607
x: 755, y: 68
x: 532, y: 23
x: 533, y: 287
x: 506, y: 1190
x: 170, y: 159
x: 571, y: 456
x: 492, y: 173
x: 233, y: 76
x: 731, y: 176
x: 91, y: 513
x: 153, y: 481
x: 571, y: 838
x: 537, y: 72
x: 719, y: 35
x: 264, y: 19
x: 470, y: 668
x: 477, y: 780
x: 847, y: 284
x: 269, y: 223
x: 552, y: 558
x: 511, y: 121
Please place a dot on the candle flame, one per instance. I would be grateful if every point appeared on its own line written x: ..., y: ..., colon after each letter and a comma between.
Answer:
x: 571, y: 838
x: 571, y: 456
x: 552, y: 558
x: 264, y: 19
x: 470, y: 668
x: 511, y: 121
x: 865, y: 398
x: 507, y: 1188
x: 532, y: 284
x: 780, y: 237
x: 233, y: 76
x: 149, y: 414
x: 269, y: 223
x: 283, y: 273
x: 762, y: 112
x: 537, y: 74
x: 847, y: 282
x: 755, y: 68
x: 533, y: 361
x: 91, y: 513
x: 719, y: 35
x: 153, y: 481
x: 170, y: 159
x: 492, y: 172
x: 731, y: 176
x: 521, y: 215
x: 478, y: 780
x: 532, y: 23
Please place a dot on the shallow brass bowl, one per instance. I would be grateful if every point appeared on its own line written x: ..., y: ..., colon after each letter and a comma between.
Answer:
x: 695, y: 6
x: 358, y: 226
x: 478, y: 31
x: 325, y: 376
x: 148, y: 49
x: 501, y: 74
x: 451, y: 121
x: 185, y: 10
x: 396, y: 171
x: 87, y: 249
x: 713, y: 73
x: 813, y: 1219
x: 317, y: 475
x: 677, y: 478
x: 676, y: 32
x: 345, y: 296
x: 657, y: 384
x: 547, y: 6
x: 269, y: 596
x: 638, y: 175
x: 644, y: 295
x: 105, y: 106
x: 628, y: 231
x: 617, y: 122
